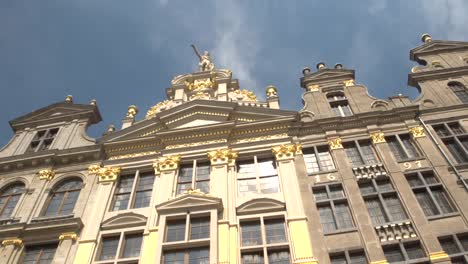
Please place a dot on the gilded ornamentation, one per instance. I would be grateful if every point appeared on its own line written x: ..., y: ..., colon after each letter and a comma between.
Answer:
x: 133, y: 155
x: 377, y: 137
x: 262, y: 138
x: 200, y: 95
x: 286, y: 151
x: 132, y: 111
x: 438, y: 255
x: 222, y: 155
x: 349, y: 82
x: 417, y: 132
x: 46, y: 174
x: 105, y: 174
x: 166, y: 104
x: 69, y: 235
x: 313, y: 88
x: 196, y: 191
x: 243, y: 95
x: 335, y: 143
x: 69, y: 99
x: 194, y: 144
x: 200, y: 84
x: 12, y: 241
x: 167, y: 163
x: 271, y: 91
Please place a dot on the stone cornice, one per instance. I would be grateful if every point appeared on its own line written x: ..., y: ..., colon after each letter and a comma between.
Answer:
x: 415, y: 78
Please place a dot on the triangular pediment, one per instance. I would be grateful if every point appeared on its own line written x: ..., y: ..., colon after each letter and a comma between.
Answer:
x: 437, y: 46
x: 56, y: 113
x: 124, y: 220
x: 190, y: 201
x: 326, y: 75
x: 260, y: 205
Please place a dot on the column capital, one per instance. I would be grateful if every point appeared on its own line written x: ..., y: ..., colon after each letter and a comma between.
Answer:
x: 417, y: 131
x: 12, y: 241
x: 166, y: 163
x: 335, y: 143
x: 308, y: 260
x: 68, y: 235
x: 286, y: 151
x: 221, y: 156
x: 46, y: 174
x: 105, y: 174
x: 437, y: 256
x: 380, y: 262
x: 377, y: 137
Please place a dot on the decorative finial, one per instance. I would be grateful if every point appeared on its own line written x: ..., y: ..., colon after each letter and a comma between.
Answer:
x: 320, y: 66
x: 306, y: 71
x: 110, y: 128
x: 338, y: 66
x: 69, y: 99
x: 93, y: 102
x: 132, y: 111
x: 271, y: 91
x: 425, y: 38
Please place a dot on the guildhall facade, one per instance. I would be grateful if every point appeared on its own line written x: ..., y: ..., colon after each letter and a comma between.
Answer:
x: 213, y: 175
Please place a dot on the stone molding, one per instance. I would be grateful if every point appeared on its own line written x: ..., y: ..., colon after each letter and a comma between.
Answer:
x: 221, y: 156
x: 286, y: 151
x: 46, y: 174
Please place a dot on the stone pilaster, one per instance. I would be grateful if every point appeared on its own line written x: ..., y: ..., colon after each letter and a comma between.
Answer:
x: 62, y: 254
x: 10, y: 250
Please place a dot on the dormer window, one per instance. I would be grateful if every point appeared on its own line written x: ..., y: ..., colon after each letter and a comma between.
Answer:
x: 43, y: 140
x: 339, y: 104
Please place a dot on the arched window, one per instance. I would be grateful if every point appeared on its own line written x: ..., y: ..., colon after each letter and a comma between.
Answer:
x: 9, y: 197
x: 63, y: 198
x: 339, y: 104
x: 460, y: 91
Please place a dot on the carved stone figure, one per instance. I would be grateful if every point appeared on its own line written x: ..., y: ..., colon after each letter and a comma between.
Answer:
x: 205, y: 63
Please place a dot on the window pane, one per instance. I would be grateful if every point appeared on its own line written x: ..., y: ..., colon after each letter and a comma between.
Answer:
x: 343, y: 216
x: 393, y: 254
x: 42, y: 254
x: 326, y: 161
x: 251, y: 234
x: 395, y: 148
x: 269, y: 184
x: 174, y: 257
x: 320, y: 194
x: 368, y: 153
x: 456, y: 128
x: 266, y: 167
x: 376, y: 211
x: 7, y: 205
x: 442, y: 200
x: 145, y: 181
x: 183, y: 187
x: 132, y: 246
x: 54, y: 204
x: 199, y: 228
x: 457, y: 152
x: 357, y: 258
x: 203, y: 172
x: 414, y: 180
x: 274, y: 230
x: 346, y: 109
x: 327, y: 219
x: 395, y: 209
x: 336, y: 191
x: 366, y: 187
x: 203, y: 186
x: 338, y: 259
x: 175, y: 230
x: 464, y: 241
x: 278, y: 257
x: 121, y: 202
x: 109, y: 248
x: 247, y: 186
x: 252, y: 258
x: 429, y: 177
x: 441, y: 130
x: 246, y: 170
x: 353, y: 154
x: 414, y: 251
x: 125, y: 184
x: 142, y: 199
x: 69, y: 203
x: 426, y: 203
x: 449, y: 245
x: 185, y: 174
x: 199, y: 256
x: 312, y: 165
x: 409, y: 146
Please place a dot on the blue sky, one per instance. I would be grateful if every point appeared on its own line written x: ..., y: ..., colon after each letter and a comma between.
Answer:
x: 123, y: 52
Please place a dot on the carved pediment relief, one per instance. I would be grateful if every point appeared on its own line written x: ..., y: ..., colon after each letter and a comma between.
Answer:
x: 437, y: 46
x: 260, y: 205
x: 124, y: 220
x: 188, y: 202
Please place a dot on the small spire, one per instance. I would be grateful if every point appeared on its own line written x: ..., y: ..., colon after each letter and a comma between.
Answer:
x: 110, y: 128
x: 93, y: 102
x: 69, y: 99
x: 425, y: 38
x: 320, y: 66
x: 338, y: 66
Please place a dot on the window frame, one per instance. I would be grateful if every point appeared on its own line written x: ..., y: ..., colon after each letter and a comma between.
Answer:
x: 42, y: 139
x: 357, y: 144
x: 255, y: 161
x: 347, y: 253
x: 119, y: 251
x: 64, y: 198
x: 187, y: 228
x: 264, y: 247
x: 459, y: 90
x: 330, y: 202
x: 404, y: 252
x: 463, y: 253
x: 41, y: 246
x: 134, y: 190
x: 9, y: 197
x: 454, y: 137
x: 194, y: 180
x: 314, y: 150
x: 428, y: 189
x: 339, y: 104
x: 402, y: 147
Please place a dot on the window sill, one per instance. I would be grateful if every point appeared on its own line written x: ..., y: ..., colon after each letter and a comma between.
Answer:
x: 9, y: 221
x: 411, y: 159
x: 52, y: 218
x: 321, y: 172
x: 185, y: 244
x: 436, y: 217
x: 260, y: 246
x: 343, y: 231
x: 120, y: 260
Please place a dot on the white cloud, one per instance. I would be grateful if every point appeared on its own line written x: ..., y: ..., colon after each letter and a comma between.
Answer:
x: 446, y: 18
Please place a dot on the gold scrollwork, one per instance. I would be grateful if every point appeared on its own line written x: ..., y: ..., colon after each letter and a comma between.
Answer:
x: 417, y: 132
x: 377, y: 137
x: 246, y: 94
x: 349, y: 82
x: 335, y: 143
x: 166, y: 163
x: 12, y: 241
x: 133, y: 155
x: 223, y: 155
x: 200, y: 84
x: 313, y: 88
x: 105, y: 174
x: 286, y: 151
x: 69, y: 235
x: 46, y: 174
x: 156, y: 109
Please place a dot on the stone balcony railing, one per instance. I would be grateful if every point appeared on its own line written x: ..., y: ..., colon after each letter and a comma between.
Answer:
x: 370, y: 171
x: 395, y: 231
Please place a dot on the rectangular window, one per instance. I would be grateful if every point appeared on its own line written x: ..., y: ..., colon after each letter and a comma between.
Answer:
x: 257, y: 176
x: 194, y: 176
x: 43, y: 254
x: 175, y: 230
x: 382, y: 201
x: 318, y: 159
x: 430, y: 193
x: 43, y: 140
x: 133, y: 191
x: 333, y: 208
x: 405, y: 252
x: 455, y: 139
x: 361, y: 153
x: 120, y: 246
x: 188, y: 228
x: 402, y: 147
x: 456, y: 246
x: 272, y: 247
x: 199, y: 228
x: 349, y: 257
x: 339, y: 105
x: 199, y: 255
